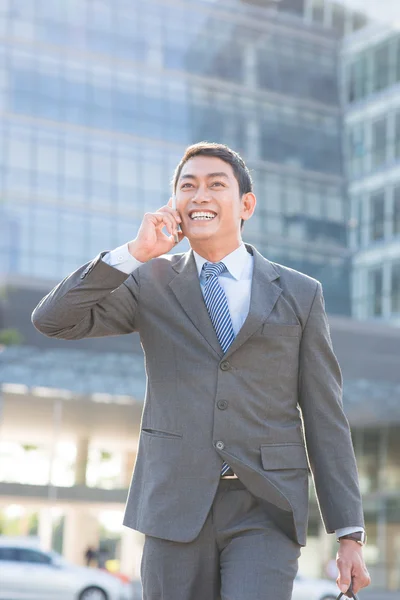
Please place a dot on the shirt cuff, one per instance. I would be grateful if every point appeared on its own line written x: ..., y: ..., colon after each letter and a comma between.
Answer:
x: 122, y: 259
x: 347, y: 530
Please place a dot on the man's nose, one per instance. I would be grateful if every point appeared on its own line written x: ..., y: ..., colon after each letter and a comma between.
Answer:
x: 202, y: 195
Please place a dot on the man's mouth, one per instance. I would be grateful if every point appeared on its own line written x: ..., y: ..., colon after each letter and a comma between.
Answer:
x: 202, y: 215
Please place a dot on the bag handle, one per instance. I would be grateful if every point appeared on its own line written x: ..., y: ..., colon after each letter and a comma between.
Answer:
x: 349, y: 591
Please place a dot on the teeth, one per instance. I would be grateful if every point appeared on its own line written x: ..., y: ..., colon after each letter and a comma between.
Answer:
x: 202, y: 216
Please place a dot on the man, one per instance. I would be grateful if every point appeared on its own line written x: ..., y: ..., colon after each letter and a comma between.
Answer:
x: 242, y: 380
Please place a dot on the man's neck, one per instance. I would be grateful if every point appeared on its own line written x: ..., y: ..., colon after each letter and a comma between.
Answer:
x: 215, y: 253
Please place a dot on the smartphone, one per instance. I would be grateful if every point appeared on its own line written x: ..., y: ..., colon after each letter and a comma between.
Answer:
x: 174, y: 207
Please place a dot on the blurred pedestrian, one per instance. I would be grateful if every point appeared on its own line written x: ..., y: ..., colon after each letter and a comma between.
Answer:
x: 240, y: 368
x: 90, y: 556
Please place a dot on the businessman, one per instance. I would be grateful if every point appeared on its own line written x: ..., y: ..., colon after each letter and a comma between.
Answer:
x: 244, y: 394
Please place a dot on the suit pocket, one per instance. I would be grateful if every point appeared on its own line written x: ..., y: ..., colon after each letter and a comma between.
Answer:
x: 276, y: 457
x: 161, y: 433
x: 281, y: 329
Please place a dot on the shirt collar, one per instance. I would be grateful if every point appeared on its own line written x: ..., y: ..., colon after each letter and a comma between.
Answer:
x: 234, y: 262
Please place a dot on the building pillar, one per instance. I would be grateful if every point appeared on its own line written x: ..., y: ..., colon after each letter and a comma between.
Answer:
x: 131, y: 550
x: 45, y: 527
x: 81, y: 530
x: 82, y: 455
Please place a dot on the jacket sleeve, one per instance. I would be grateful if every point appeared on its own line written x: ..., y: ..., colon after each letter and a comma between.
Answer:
x: 327, y: 432
x: 95, y: 300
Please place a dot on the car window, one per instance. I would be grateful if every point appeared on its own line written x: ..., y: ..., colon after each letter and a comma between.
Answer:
x: 8, y: 554
x: 33, y: 556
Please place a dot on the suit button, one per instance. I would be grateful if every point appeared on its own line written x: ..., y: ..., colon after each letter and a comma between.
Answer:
x: 222, y: 404
x: 219, y: 445
x: 225, y: 365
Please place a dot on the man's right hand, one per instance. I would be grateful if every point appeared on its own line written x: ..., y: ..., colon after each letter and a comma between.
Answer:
x: 150, y: 241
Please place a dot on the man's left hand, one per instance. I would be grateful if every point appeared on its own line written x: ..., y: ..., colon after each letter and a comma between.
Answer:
x: 352, y: 568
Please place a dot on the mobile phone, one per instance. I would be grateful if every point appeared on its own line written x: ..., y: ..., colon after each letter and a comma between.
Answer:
x: 178, y: 228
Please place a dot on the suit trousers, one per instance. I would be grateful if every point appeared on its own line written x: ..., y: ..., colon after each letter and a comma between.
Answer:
x: 239, y: 554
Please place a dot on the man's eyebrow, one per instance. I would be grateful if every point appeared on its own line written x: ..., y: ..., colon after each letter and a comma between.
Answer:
x: 220, y: 174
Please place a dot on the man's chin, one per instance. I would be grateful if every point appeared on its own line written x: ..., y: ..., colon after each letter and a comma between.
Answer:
x: 198, y: 236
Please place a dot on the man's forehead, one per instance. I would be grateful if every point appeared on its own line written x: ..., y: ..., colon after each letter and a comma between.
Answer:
x: 211, y: 166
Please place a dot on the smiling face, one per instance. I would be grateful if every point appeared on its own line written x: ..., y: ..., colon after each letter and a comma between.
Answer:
x: 210, y: 205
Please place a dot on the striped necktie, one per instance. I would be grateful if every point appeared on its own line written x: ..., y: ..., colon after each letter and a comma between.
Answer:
x: 218, y: 309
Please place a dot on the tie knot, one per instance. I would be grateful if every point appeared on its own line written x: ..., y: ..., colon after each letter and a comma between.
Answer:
x: 213, y: 269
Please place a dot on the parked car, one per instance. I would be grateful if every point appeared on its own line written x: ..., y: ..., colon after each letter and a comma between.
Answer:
x: 29, y: 573
x: 305, y: 588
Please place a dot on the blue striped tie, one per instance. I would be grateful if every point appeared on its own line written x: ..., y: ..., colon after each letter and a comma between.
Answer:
x: 218, y: 309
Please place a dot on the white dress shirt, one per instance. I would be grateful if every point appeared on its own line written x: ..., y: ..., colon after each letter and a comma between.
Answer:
x: 235, y: 281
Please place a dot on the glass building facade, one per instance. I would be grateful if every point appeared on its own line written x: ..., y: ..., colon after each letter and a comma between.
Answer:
x: 372, y: 96
x: 99, y: 99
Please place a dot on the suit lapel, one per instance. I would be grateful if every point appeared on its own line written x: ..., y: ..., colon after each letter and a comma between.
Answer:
x: 264, y: 294
x: 186, y: 287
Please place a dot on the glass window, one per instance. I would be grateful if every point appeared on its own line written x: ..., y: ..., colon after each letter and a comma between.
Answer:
x: 356, y: 149
x: 19, y: 153
x: 101, y: 167
x: 375, y: 285
x: 396, y: 210
x: 397, y: 135
x: 380, y: 78
x: 273, y: 194
x: 74, y: 234
x: 294, y: 197
x: 318, y: 11
x: 377, y: 207
x: 395, y: 295
x: 32, y: 556
x: 74, y: 163
x: 100, y: 233
x: 8, y: 554
x: 370, y: 460
x: 379, y: 142
x: 334, y: 204
x: 338, y: 18
x: 292, y: 6
x: 47, y: 158
x: 313, y: 201
x: 45, y: 230
x: 392, y: 463
x: 127, y: 173
x: 359, y: 20
x: 398, y: 59
x: 360, y: 225
x: 357, y: 78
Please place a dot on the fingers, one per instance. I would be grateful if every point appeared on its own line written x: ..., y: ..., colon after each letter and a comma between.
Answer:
x: 344, y: 563
x: 172, y: 211
x: 173, y: 217
x: 161, y: 219
x: 344, y: 578
x: 361, y: 578
x: 352, y: 570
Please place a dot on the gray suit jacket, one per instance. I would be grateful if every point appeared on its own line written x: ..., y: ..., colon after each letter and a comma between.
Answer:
x: 271, y: 406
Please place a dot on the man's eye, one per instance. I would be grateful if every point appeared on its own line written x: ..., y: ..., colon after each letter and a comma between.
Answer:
x: 217, y: 182
x: 185, y: 184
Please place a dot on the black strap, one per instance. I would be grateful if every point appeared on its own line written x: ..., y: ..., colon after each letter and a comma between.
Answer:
x: 349, y: 591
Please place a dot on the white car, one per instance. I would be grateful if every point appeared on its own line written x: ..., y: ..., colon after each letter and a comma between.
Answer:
x: 29, y: 573
x: 305, y: 588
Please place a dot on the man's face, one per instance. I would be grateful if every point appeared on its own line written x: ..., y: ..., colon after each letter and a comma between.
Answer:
x: 208, y: 200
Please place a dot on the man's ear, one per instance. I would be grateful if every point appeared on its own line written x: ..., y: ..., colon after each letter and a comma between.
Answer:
x: 249, y: 204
